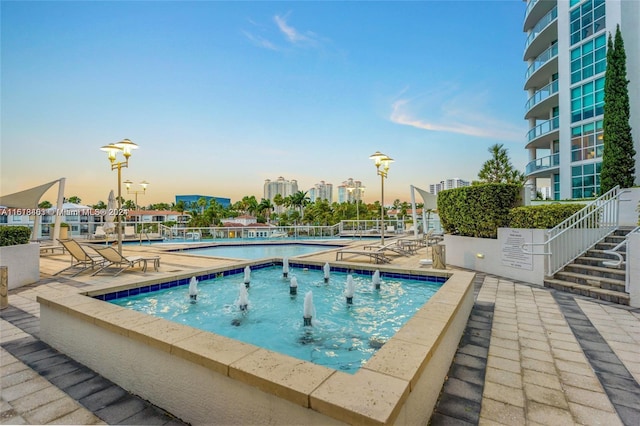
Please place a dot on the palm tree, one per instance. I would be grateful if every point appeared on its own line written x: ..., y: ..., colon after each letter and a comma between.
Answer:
x: 265, y: 206
x: 300, y: 200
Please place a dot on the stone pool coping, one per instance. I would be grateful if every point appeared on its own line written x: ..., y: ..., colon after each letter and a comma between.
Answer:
x: 399, y: 384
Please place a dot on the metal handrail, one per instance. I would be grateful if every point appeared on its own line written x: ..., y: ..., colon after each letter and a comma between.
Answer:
x: 614, y: 251
x: 576, y: 234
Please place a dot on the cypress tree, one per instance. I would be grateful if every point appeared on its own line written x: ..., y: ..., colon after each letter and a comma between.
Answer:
x: 618, y: 165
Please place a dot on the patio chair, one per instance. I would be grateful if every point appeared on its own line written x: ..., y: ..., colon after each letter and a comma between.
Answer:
x: 114, y: 259
x: 80, y: 258
x: 99, y: 232
x: 129, y: 231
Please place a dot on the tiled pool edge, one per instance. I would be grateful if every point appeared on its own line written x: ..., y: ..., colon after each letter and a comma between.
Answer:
x: 400, y: 384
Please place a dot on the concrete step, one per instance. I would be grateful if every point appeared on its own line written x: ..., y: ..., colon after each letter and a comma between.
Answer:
x: 587, y: 290
x: 598, y: 261
x: 603, y: 255
x: 592, y: 281
x: 596, y: 271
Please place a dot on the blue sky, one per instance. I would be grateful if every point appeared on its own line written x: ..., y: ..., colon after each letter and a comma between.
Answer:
x: 223, y: 95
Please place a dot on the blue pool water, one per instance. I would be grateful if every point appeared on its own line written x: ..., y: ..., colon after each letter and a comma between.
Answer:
x: 342, y: 337
x: 259, y: 251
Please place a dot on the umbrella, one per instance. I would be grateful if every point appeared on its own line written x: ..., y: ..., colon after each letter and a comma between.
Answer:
x: 109, y: 227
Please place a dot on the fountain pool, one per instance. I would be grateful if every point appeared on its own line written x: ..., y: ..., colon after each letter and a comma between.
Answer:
x: 205, y: 378
x: 342, y: 337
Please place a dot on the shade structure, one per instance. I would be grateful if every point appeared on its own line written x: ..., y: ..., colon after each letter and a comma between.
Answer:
x: 27, y: 199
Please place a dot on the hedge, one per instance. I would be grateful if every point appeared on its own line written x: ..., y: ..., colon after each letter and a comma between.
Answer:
x: 14, y: 235
x: 478, y: 210
x: 543, y: 216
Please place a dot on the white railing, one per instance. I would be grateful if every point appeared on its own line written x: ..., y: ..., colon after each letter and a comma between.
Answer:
x: 620, y: 259
x: 583, y: 230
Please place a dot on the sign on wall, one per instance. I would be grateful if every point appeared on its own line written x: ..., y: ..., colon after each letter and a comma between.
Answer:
x: 511, y: 244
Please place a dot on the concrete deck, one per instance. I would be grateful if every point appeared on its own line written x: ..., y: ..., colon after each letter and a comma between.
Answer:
x: 529, y: 355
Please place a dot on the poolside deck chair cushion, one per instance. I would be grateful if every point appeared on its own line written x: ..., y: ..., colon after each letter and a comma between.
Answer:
x: 114, y: 259
x: 81, y: 259
x: 129, y: 231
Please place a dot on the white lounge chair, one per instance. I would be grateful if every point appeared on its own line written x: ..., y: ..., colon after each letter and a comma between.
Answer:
x: 99, y: 233
x: 130, y: 231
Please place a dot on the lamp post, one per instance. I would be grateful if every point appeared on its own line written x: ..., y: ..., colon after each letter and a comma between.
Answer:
x: 357, y: 197
x: 143, y: 184
x: 125, y: 147
x: 382, y: 168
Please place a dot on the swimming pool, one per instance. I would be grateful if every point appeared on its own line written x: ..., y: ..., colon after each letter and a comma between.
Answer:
x: 343, y: 336
x: 259, y: 251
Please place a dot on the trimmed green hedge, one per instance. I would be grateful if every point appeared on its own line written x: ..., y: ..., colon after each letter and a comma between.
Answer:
x: 478, y: 210
x: 544, y: 216
x: 14, y: 235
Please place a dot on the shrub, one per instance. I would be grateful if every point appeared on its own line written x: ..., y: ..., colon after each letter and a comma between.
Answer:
x: 14, y: 235
x: 479, y: 210
x: 543, y: 216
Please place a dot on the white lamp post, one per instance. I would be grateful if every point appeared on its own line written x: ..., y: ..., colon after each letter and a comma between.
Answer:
x: 382, y: 167
x: 125, y: 147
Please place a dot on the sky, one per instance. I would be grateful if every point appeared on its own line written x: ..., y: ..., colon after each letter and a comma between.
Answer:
x: 221, y: 95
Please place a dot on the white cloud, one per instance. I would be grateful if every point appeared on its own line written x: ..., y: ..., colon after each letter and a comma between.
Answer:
x: 454, y: 112
x: 260, y: 41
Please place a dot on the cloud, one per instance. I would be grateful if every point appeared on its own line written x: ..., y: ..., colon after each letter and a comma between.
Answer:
x: 453, y: 112
x: 290, y: 33
x: 260, y: 41
x: 292, y: 36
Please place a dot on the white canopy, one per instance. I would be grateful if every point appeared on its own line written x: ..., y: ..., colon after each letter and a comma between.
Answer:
x: 27, y: 199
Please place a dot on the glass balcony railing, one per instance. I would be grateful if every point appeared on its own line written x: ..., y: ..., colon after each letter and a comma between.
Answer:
x: 542, y: 163
x: 543, y: 128
x: 529, y: 7
x: 542, y: 59
x: 541, y: 95
x: 541, y: 25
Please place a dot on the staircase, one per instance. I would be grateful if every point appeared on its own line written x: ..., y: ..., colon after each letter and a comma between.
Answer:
x: 588, y: 276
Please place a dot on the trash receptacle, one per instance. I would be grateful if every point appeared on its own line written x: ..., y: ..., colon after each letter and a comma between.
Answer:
x: 438, y: 254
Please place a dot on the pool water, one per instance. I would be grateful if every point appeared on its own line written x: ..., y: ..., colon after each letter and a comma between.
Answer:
x: 342, y: 336
x: 259, y: 251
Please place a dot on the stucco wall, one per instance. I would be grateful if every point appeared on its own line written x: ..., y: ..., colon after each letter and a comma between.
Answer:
x: 485, y: 255
x: 23, y: 263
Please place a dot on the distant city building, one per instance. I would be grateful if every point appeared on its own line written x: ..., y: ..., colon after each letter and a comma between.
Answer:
x: 448, y: 184
x: 350, y: 190
x: 191, y: 201
x: 280, y: 186
x: 321, y: 191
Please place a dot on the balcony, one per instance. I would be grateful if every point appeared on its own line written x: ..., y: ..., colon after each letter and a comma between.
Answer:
x: 541, y: 135
x: 535, y: 10
x: 547, y: 60
x: 543, y: 34
x: 542, y: 165
x: 536, y: 105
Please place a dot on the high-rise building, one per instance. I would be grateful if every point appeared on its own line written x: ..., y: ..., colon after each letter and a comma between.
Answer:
x: 350, y: 190
x: 566, y: 51
x: 321, y: 191
x: 434, y: 188
x: 279, y: 186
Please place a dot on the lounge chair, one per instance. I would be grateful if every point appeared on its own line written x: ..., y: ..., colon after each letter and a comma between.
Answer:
x: 99, y: 232
x: 376, y: 255
x: 80, y: 258
x: 114, y: 259
x: 395, y: 247
x: 129, y: 231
